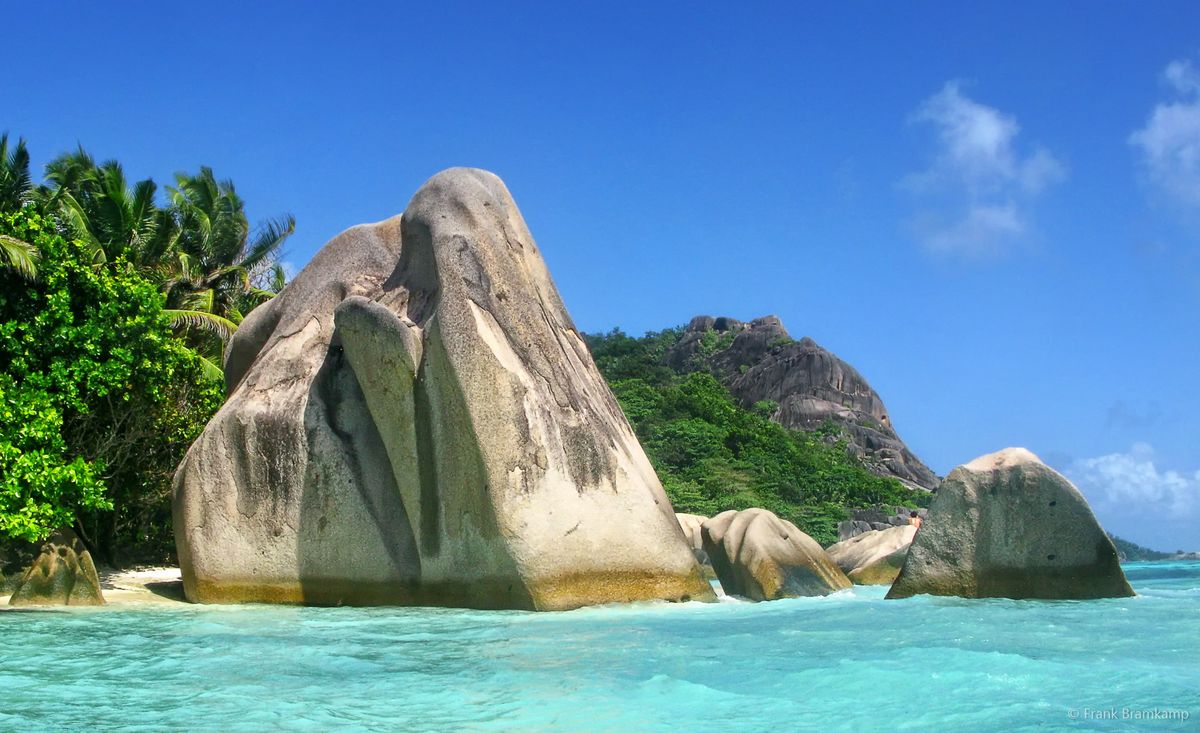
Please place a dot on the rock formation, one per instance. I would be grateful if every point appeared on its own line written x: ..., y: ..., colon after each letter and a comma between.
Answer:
x: 1007, y: 525
x: 759, y: 361
x: 63, y: 574
x: 691, y: 524
x: 873, y: 557
x: 883, y: 571
x: 865, y: 520
x: 415, y: 420
x: 759, y: 556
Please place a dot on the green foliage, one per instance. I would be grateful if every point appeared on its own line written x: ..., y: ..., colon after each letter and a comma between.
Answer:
x: 199, y: 247
x: 115, y: 307
x: 623, y: 357
x: 712, y: 341
x: 15, y: 182
x: 1133, y: 552
x: 40, y: 484
x: 99, y: 399
x: 21, y: 257
x: 712, y: 455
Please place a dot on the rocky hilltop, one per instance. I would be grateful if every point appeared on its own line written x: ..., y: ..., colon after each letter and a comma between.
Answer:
x: 416, y: 420
x: 760, y: 361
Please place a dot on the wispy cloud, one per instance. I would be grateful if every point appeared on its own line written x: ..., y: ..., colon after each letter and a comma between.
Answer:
x: 1124, y: 416
x: 976, y: 193
x: 1170, y: 142
x: 1133, y: 483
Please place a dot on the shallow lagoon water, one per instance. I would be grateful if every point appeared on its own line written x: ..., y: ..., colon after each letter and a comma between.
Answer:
x: 851, y: 661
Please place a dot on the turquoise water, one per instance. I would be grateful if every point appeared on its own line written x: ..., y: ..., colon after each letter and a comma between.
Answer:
x: 847, y: 662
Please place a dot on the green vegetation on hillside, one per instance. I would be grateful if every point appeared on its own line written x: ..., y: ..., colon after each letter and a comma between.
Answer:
x: 115, y: 305
x: 712, y: 454
x: 1133, y: 552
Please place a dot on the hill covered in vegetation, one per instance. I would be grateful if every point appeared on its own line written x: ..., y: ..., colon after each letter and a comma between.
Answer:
x: 1133, y: 552
x: 713, y: 454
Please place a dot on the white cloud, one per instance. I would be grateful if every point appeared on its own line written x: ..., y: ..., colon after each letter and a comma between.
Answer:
x: 979, y: 175
x: 1170, y: 141
x: 1133, y: 483
x: 984, y: 231
x: 1183, y: 76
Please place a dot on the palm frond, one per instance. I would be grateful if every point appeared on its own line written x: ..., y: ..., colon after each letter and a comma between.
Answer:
x: 278, y: 278
x: 21, y: 256
x: 270, y: 238
x: 260, y: 295
x: 223, y: 328
x: 202, y: 300
x: 16, y: 185
x: 209, y: 369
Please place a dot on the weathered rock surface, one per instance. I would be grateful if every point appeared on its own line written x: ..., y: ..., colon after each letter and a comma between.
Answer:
x: 1007, y: 525
x: 859, y: 557
x: 759, y: 361
x: 759, y: 556
x: 883, y: 571
x: 415, y: 420
x: 63, y: 574
x: 691, y: 525
x: 866, y: 520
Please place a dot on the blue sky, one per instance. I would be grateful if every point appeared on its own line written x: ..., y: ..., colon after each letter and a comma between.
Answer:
x: 991, y: 210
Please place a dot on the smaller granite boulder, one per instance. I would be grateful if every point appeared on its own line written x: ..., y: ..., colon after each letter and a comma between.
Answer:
x: 883, y: 571
x: 691, y: 524
x: 1007, y: 525
x: 63, y: 574
x: 761, y: 557
x: 858, y: 556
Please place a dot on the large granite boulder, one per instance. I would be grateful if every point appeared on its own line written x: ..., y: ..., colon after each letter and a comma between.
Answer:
x: 1006, y: 525
x: 62, y: 574
x: 761, y: 557
x: 760, y: 361
x: 416, y: 420
x: 871, y: 557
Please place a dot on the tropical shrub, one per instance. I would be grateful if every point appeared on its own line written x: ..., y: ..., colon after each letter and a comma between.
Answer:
x: 99, y: 398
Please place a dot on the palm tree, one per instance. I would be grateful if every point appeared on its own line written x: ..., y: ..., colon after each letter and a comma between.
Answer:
x: 15, y: 183
x: 15, y: 190
x: 199, y: 248
x: 218, y: 268
x: 99, y: 207
x: 220, y: 264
